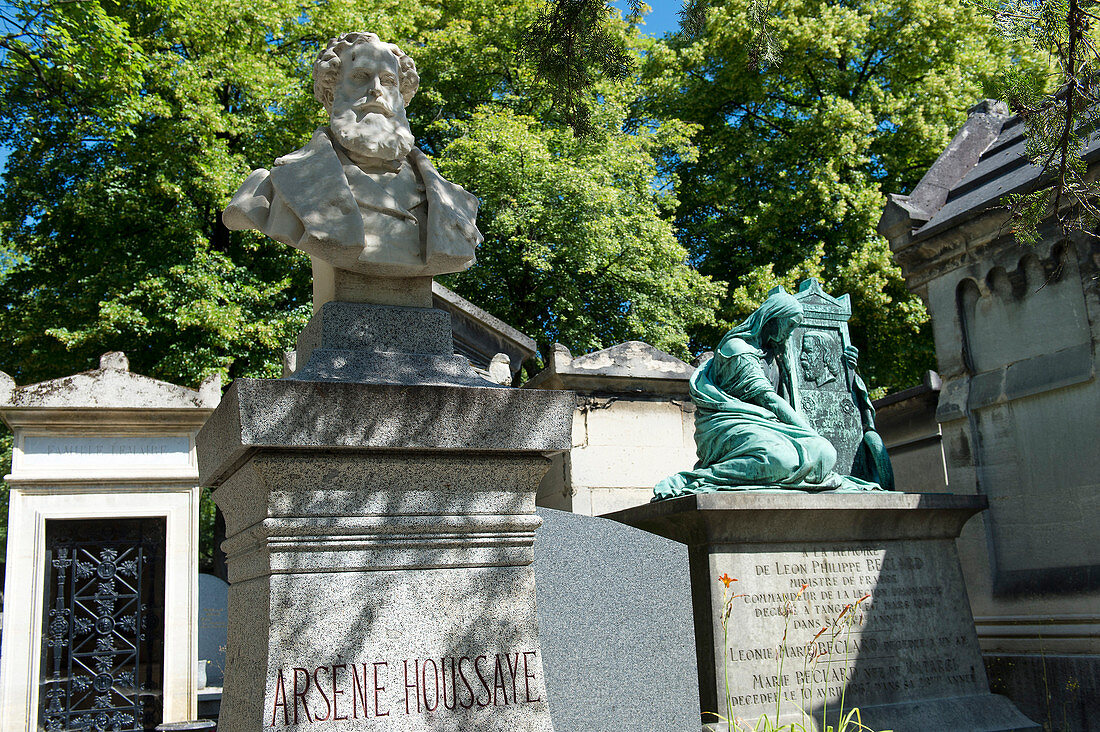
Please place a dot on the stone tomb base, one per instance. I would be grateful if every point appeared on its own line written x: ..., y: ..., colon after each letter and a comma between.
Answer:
x: 379, y: 542
x: 909, y: 659
x: 614, y: 607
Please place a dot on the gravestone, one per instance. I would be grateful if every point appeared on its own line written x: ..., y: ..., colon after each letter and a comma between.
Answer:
x: 379, y: 501
x: 844, y: 598
x: 379, y: 538
x: 615, y: 621
x: 827, y: 389
x: 815, y: 352
x: 213, y: 625
x: 910, y: 659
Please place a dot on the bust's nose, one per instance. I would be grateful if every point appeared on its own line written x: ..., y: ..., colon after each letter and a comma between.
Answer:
x: 376, y: 87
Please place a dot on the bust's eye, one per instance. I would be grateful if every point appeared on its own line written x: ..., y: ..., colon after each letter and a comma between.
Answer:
x: 388, y: 79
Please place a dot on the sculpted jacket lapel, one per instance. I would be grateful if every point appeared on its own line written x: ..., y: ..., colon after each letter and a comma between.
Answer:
x: 452, y: 211
x: 311, y: 181
x: 315, y: 187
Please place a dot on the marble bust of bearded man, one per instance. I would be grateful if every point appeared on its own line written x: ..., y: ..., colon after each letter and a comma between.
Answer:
x: 360, y: 196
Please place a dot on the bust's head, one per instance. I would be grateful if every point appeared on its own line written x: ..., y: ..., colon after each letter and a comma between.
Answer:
x: 365, y: 85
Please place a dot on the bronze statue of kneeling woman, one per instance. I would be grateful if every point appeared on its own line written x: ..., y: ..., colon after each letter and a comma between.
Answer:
x: 747, y: 436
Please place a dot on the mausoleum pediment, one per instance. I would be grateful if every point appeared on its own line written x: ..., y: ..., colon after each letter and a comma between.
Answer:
x: 633, y: 358
x: 111, y: 386
x: 632, y: 366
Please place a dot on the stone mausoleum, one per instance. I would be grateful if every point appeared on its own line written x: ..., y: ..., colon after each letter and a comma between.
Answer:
x: 633, y: 423
x: 1016, y: 330
x: 102, y: 555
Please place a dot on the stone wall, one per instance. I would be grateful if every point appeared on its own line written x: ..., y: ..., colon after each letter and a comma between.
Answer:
x: 621, y: 448
x: 1016, y: 330
x: 907, y: 423
x: 633, y: 425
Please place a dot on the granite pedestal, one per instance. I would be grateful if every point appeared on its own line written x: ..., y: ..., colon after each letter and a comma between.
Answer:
x: 379, y: 534
x: 909, y: 659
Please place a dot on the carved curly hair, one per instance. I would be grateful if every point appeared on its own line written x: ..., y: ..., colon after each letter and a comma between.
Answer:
x: 326, y: 68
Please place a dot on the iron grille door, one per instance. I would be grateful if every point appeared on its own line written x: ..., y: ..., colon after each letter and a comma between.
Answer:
x: 103, y: 635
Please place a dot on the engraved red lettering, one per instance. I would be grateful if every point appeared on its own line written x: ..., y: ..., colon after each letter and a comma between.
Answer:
x: 336, y: 692
x: 454, y: 687
x: 470, y: 689
x: 477, y: 669
x: 528, y: 677
x: 414, y: 685
x: 498, y: 682
x: 321, y: 691
x: 513, y: 671
x: 301, y: 695
x: 355, y: 686
x: 424, y: 683
x: 280, y: 690
x: 377, y: 709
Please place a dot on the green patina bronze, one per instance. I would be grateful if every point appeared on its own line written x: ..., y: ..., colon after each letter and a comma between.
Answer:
x: 749, y: 436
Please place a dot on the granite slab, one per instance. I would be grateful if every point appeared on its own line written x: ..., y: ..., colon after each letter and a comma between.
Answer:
x: 291, y: 414
x: 614, y: 607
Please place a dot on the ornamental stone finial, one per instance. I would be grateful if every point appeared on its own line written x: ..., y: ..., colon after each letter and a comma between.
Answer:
x: 115, y: 361
x: 7, y: 388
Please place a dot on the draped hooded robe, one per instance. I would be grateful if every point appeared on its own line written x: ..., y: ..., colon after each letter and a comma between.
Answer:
x: 740, y: 444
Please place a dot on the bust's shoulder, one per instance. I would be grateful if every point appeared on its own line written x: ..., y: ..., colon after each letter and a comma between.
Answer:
x: 319, y: 144
x: 427, y: 172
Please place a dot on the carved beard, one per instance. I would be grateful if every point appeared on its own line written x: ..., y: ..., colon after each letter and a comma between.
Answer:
x: 373, y: 136
x: 813, y: 370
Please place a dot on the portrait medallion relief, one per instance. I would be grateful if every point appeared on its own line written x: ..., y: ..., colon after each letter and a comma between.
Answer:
x: 823, y: 388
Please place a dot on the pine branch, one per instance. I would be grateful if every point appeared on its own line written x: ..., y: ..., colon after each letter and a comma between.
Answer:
x: 572, y: 44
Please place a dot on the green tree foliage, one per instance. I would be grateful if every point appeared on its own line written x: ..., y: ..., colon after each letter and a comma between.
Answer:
x: 127, y: 124
x: 575, y: 244
x: 575, y: 43
x: 207, y: 516
x: 132, y: 122
x: 578, y: 246
x: 795, y: 158
x: 1057, y: 123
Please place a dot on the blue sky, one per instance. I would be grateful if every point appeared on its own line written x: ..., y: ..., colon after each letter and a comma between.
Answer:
x: 665, y: 16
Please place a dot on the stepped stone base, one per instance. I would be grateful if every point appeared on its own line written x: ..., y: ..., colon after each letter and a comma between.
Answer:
x: 904, y: 650
x: 379, y: 536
